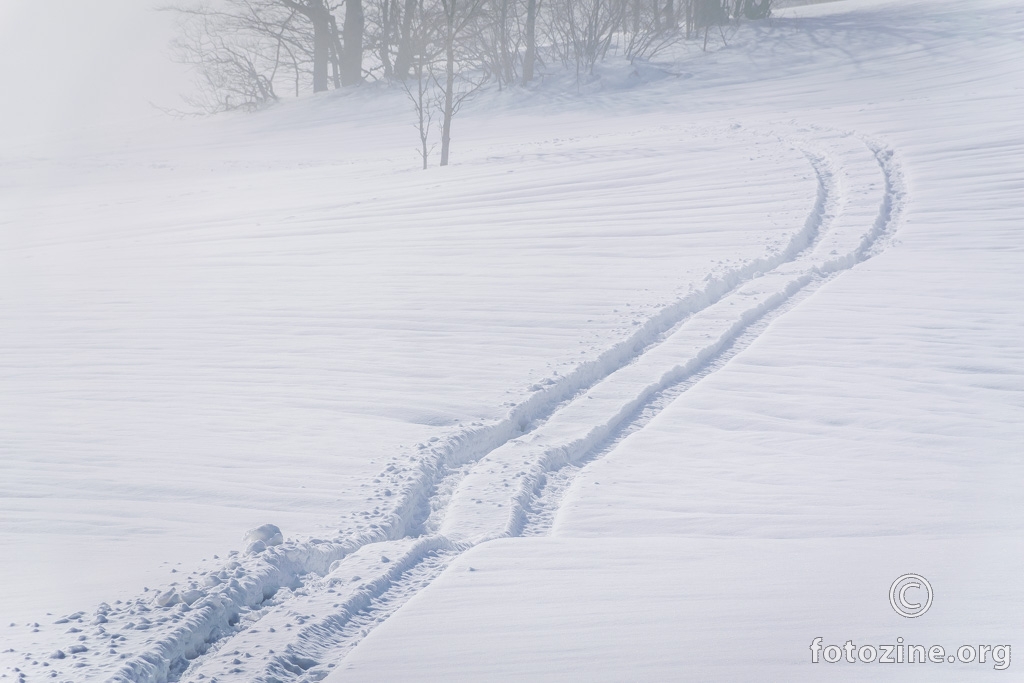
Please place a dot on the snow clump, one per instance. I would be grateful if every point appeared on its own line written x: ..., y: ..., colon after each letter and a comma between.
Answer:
x: 259, y: 539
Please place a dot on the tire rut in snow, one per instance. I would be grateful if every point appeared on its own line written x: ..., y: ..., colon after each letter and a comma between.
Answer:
x: 312, y: 599
x: 304, y: 639
x: 537, y: 504
x: 539, y: 514
x: 424, y: 514
x: 422, y: 489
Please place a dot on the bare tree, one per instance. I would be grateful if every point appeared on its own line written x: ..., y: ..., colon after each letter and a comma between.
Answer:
x: 647, y: 35
x: 752, y: 9
x: 423, y: 93
x: 457, y: 16
x: 530, y: 54
x: 500, y: 40
x: 238, y: 50
x: 708, y: 13
x: 422, y: 89
x: 382, y: 22
x: 442, y: 51
x: 241, y: 49
x: 407, y: 40
x: 325, y: 36
x: 584, y: 30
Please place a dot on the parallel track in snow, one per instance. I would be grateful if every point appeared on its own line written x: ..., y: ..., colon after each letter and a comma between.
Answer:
x: 294, y: 611
x: 487, y: 500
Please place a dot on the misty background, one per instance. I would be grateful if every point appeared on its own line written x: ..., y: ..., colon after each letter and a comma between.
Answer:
x: 68, y: 66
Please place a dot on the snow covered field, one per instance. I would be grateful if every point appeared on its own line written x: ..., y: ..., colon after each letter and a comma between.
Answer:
x: 717, y: 356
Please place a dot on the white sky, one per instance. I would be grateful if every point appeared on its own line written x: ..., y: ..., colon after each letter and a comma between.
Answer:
x: 69, y: 65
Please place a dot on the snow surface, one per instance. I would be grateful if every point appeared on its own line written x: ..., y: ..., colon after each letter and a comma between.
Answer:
x: 738, y: 332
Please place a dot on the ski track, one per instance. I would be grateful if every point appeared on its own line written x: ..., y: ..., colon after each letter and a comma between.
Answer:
x: 292, y: 612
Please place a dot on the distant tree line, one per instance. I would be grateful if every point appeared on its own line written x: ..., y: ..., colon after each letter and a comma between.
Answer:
x: 247, y: 53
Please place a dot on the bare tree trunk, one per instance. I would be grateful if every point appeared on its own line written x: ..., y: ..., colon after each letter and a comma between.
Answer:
x: 323, y: 37
x: 422, y: 111
x: 352, y: 31
x: 449, y: 82
x: 403, y: 60
x: 531, y: 41
x: 507, y: 69
x: 321, y: 48
x: 336, y: 52
x: 384, y: 51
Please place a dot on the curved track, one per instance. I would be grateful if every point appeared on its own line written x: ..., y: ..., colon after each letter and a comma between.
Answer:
x: 293, y: 612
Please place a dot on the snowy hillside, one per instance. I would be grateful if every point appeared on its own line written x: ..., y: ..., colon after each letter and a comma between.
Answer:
x: 658, y: 381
